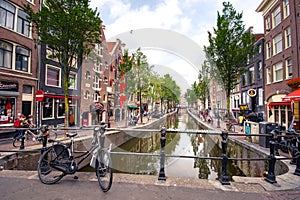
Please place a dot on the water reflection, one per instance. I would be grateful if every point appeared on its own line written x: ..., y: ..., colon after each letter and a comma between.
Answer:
x: 176, y: 144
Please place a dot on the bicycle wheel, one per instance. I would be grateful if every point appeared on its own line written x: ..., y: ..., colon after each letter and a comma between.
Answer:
x: 104, y: 171
x: 17, y: 141
x: 51, y: 165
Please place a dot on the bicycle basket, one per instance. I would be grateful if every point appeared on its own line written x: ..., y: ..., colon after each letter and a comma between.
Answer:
x: 61, y: 151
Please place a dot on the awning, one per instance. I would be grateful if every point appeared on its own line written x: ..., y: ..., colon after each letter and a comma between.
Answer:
x: 281, y: 103
x: 293, y: 96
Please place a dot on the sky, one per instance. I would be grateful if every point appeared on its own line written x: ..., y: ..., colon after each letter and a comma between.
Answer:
x: 171, y: 33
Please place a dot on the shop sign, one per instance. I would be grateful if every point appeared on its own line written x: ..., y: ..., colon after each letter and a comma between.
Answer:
x: 9, y: 86
x: 252, y: 92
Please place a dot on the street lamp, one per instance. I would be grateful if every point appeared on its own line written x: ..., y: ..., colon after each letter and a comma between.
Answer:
x: 140, y: 97
x: 218, y: 122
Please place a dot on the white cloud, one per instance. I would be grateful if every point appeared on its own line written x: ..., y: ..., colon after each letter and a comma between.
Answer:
x: 192, y: 18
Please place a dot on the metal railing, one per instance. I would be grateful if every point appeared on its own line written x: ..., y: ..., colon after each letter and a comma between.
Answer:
x: 270, y: 176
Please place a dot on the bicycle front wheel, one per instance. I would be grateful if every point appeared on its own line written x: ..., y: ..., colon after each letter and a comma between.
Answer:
x: 48, y: 168
x: 104, y: 171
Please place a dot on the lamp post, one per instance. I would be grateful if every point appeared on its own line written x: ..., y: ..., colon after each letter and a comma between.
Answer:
x: 218, y: 122
x: 140, y: 97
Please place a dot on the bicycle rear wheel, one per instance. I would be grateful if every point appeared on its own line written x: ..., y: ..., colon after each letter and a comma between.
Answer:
x: 17, y: 141
x: 104, y: 171
x: 50, y: 169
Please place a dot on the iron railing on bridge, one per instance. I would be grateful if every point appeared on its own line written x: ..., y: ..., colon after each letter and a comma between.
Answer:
x: 271, y: 158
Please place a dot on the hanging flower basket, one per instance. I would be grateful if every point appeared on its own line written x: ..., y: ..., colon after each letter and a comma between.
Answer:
x: 293, y: 83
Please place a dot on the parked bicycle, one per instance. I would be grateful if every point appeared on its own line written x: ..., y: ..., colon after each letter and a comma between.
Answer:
x: 29, y: 134
x: 60, y: 160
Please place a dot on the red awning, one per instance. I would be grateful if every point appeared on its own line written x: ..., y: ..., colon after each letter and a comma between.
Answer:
x: 293, y: 96
x: 281, y: 103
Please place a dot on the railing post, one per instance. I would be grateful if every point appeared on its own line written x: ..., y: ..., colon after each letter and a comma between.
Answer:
x: 270, y: 177
x: 297, y: 170
x: 293, y: 150
x: 22, y: 145
x: 162, y: 175
x: 224, y: 176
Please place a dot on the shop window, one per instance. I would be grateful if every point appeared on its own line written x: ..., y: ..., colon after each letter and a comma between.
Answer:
x: 22, y: 59
x: 6, y: 54
x: 60, y: 108
x: 48, y: 108
x: 7, y: 14
x: 7, y: 110
x: 53, y: 76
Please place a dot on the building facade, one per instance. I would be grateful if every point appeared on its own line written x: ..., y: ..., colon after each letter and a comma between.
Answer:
x: 281, y: 28
x: 19, y: 72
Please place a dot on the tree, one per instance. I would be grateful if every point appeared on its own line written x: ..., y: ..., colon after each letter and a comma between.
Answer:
x: 201, y: 88
x: 71, y: 29
x: 229, y: 49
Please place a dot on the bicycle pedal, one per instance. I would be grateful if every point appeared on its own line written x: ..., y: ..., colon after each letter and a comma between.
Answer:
x: 75, y: 177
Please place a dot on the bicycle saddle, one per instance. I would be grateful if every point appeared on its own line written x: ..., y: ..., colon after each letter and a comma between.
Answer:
x: 71, y: 134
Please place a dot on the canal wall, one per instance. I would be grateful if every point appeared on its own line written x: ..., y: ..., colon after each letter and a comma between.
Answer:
x: 238, y: 147
x: 29, y: 160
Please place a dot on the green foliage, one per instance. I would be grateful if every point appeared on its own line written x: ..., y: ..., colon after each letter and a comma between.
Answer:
x: 229, y: 49
x: 201, y: 88
x: 126, y: 63
x: 70, y: 28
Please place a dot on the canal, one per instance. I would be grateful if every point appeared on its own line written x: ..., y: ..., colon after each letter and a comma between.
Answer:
x: 176, y: 144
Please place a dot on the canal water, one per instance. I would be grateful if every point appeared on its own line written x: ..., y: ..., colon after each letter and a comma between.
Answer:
x: 176, y: 144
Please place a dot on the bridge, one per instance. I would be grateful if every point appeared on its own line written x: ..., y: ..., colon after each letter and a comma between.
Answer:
x: 286, y: 186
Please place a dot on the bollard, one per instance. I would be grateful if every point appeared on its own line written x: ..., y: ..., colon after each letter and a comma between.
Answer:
x: 270, y: 177
x: 293, y: 150
x: 162, y: 175
x: 297, y: 170
x: 44, y: 140
x: 224, y: 176
x: 275, y: 138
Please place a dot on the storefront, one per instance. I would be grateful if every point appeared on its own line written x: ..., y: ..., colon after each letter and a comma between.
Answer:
x: 8, y: 95
x: 294, y: 99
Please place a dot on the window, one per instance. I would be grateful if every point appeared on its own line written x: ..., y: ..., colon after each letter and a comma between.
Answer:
x: 276, y: 16
x: 96, y: 82
x: 48, y: 108
x: 259, y: 49
x: 286, y: 8
x: 22, y: 59
x: 288, y: 39
x: 277, y: 42
x: 243, y: 77
x: 51, y: 53
x: 260, y: 96
x: 60, y: 108
x: 87, y: 75
x: 23, y: 24
x: 268, y: 49
x: 289, y: 68
x: 72, y: 81
x: 259, y: 70
x: 6, y: 54
x: 251, y: 75
x: 86, y: 95
x: 27, y: 89
x: 7, y: 14
x: 268, y: 24
x: 278, y: 72
x: 53, y: 76
x: 269, y: 75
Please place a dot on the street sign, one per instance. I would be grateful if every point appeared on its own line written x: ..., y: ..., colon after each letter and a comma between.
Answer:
x: 39, y: 95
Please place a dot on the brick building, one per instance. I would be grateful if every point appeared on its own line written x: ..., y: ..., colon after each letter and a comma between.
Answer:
x: 281, y: 28
x: 19, y: 72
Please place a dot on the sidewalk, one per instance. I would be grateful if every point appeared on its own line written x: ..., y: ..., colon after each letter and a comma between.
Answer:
x: 25, y: 185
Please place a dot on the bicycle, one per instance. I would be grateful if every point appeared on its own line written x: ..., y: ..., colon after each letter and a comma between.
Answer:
x: 59, y: 160
x: 30, y: 134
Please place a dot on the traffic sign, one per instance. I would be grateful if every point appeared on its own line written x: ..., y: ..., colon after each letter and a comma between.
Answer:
x: 39, y: 95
